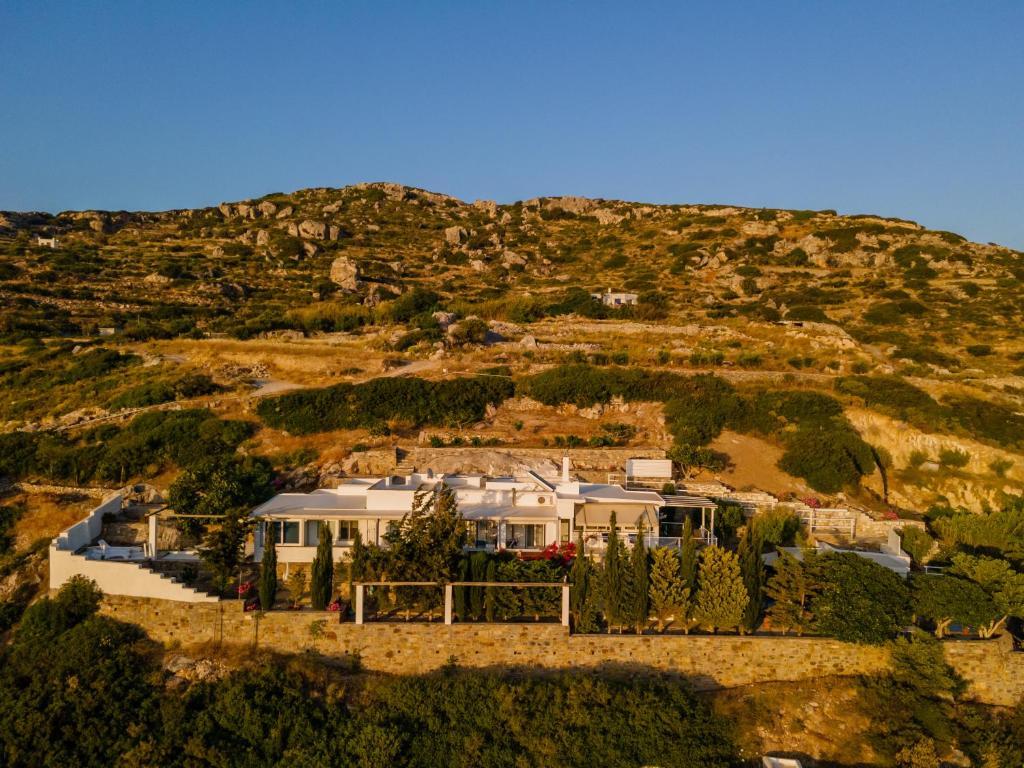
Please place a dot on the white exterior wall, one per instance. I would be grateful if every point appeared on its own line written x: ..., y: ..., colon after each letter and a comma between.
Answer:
x: 120, y: 578
x: 85, y: 532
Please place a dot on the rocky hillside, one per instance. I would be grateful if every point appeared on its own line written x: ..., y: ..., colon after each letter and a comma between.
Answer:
x: 793, y: 298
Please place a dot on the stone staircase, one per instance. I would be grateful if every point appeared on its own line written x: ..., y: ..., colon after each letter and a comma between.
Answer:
x: 171, y: 573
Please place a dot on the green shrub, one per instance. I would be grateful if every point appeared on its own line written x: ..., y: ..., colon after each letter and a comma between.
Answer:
x: 829, y: 457
x: 917, y: 543
x: 952, y: 457
x: 416, y: 401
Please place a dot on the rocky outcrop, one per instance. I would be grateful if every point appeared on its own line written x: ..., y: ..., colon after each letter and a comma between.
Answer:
x: 455, y: 235
x: 345, y: 273
x: 315, y: 230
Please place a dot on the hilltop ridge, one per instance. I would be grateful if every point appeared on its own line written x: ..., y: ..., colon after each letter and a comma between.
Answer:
x: 396, y: 275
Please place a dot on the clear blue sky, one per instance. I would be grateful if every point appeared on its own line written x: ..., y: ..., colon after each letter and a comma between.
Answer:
x: 910, y: 109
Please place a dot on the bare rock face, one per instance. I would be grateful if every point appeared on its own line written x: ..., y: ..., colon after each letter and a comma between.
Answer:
x: 267, y: 208
x: 455, y: 235
x: 478, y: 266
x: 156, y: 279
x: 333, y: 232
x: 345, y: 274
x: 316, y: 230
x: 487, y: 206
x: 604, y: 216
x: 263, y: 237
x: 225, y: 210
x: 285, y: 212
x: 310, y: 248
x: 570, y: 204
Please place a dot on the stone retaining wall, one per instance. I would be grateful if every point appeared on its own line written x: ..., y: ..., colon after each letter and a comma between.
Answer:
x: 995, y: 672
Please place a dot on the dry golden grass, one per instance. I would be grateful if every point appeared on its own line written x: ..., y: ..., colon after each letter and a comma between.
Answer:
x: 46, y: 515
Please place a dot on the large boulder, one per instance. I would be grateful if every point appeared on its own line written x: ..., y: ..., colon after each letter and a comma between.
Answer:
x: 345, y: 274
x: 313, y: 229
x: 267, y: 208
x: 512, y: 259
x: 455, y: 235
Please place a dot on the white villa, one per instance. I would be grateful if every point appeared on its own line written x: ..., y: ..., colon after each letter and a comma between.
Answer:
x: 612, y: 298
x: 524, y: 514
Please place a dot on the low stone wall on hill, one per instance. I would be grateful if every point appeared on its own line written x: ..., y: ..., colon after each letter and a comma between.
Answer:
x: 994, y: 670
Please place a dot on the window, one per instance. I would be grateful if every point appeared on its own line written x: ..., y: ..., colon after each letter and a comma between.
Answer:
x: 312, y: 533
x: 486, y: 533
x: 563, y: 528
x: 524, y: 536
x: 346, y: 531
x: 285, y: 532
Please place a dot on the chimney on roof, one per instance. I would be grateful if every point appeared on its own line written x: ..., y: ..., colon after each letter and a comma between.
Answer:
x: 565, y: 469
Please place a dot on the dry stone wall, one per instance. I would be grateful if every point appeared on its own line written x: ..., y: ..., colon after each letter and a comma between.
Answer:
x: 995, y: 671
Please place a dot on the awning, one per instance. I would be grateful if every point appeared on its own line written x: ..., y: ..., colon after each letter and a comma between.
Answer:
x: 512, y: 514
x: 598, y: 516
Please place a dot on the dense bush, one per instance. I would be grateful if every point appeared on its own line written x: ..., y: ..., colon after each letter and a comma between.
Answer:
x: 142, y: 448
x: 857, y: 600
x: 828, y: 458
x: 412, y: 400
x: 156, y: 392
x: 584, y: 385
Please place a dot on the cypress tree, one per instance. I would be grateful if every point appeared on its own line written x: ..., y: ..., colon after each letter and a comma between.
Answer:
x: 668, y: 595
x: 791, y: 589
x: 688, y: 570
x: 721, y: 596
x: 752, y: 566
x: 490, y: 607
x: 477, y: 572
x: 613, y: 583
x: 582, y: 607
x: 268, y: 572
x: 459, y: 595
x: 356, y: 565
x: 320, y: 585
x: 640, y: 607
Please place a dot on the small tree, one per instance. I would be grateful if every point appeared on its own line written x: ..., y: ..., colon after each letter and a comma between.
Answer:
x: 639, y: 607
x: 998, y: 578
x: 296, y: 586
x: 223, y: 547
x: 477, y: 572
x: 459, y: 593
x: 752, y: 566
x: 791, y: 588
x: 917, y: 543
x: 582, y: 603
x: 613, y: 583
x: 688, y: 570
x: 943, y: 600
x: 358, y: 563
x: 268, y: 572
x: 490, y: 605
x: 668, y: 594
x: 858, y: 601
x: 721, y: 596
x: 321, y: 583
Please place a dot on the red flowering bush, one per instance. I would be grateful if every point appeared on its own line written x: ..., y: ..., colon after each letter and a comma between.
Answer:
x: 561, y: 554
